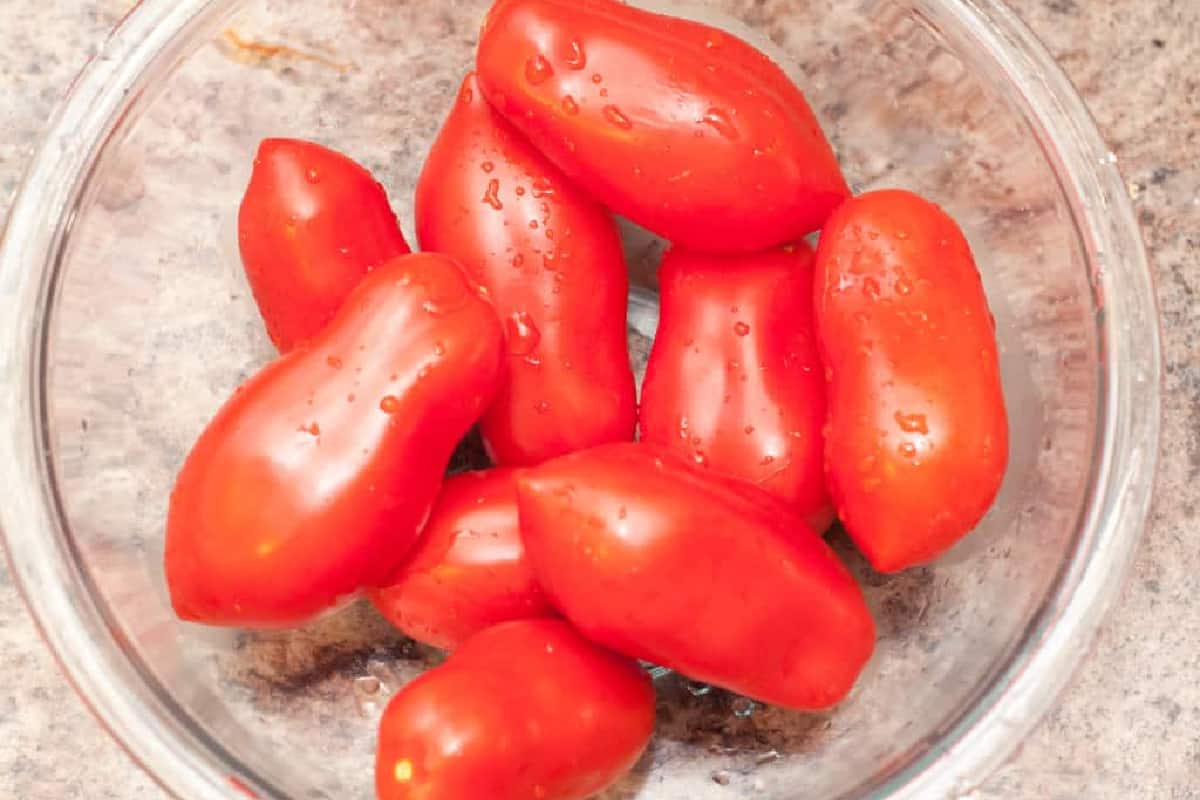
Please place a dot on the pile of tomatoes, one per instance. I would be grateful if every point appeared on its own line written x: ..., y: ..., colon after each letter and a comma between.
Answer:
x: 785, y: 387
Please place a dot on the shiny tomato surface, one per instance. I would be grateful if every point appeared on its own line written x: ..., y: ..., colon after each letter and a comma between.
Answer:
x: 709, y: 576
x: 469, y: 570
x: 522, y: 710
x: 312, y: 481
x: 551, y: 260
x: 917, y: 440
x: 311, y: 225
x: 734, y: 382
x: 683, y: 128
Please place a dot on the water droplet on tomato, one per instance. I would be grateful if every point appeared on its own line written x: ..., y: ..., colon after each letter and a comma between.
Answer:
x: 870, y: 287
x: 617, y: 118
x: 533, y: 223
x: 492, y: 195
x: 439, y: 349
x: 569, y: 105
x: 902, y: 235
x: 576, y: 58
x: 487, y: 166
x: 741, y: 328
x: 719, y: 121
x: 542, y: 188
x: 334, y: 362
x: 423, y: 373
x: 700, y: 459
x: 749, y: 429
x: 912, y: 423
x: 313, y: 176
x: 542, y: 407
x: 908, y: 449
x: 389, y: 404
x: 466, y: 96
x: 312, y: 429
x: 523, y: 334
x: 903, y: 287
x: 538, y: 70
x: 597, y: 77
x: 518, y: 260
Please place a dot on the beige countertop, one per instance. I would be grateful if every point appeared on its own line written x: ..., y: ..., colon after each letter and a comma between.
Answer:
x: 1129, y: 725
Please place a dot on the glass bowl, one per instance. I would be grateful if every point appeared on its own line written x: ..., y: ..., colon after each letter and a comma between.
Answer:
x: 125, y: 321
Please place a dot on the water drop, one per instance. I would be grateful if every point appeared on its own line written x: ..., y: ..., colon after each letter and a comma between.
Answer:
x: 390, y: 404
x: 596, y: 77
x: 615, y: 117
x: 313, y: 176
x: 749, y: 429
x: 569, y: 105
x: 903, y: 287
x: 700, y: 459
x: 492, y: 195
x: 719, y: 121
x: 538, y: 70
x: 423, y: 373
x: 908, y: 449
x: 542, y: 188
x: 487, y: 166
x: 912, y: 423
x: 334, y: 362
x: 439, y: 349
x: 312, y: 429
x: 518, y: 260
x: 743, y: 707
x: 533, y: 223
x: 741, y: 328
x: 870, y: 287
x: 902, y: 235
x: 576, y: 58
x: 466, y: 96
x: 542, y: 407
x: 523, y: 335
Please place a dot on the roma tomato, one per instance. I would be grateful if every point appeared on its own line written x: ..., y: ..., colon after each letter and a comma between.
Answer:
x: 734, y: 381
x: 311, y: 225
x: 551, y: 260
x: 523, y: 710
x: 917, y: 440
x: 703, y: 574
x: 679, y: 126
x: 468, y: 570
x: 313, y: 479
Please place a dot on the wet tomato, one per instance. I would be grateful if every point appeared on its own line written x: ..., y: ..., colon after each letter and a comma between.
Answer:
x: 468, y: 571
x: 312, y: 224
x: 734, y: 382
x: 917, y: 440
x: 522, y: 710
x: 683, y: 128
x: 551, y: 260
x: 703, y: 574
x: 312, y: 480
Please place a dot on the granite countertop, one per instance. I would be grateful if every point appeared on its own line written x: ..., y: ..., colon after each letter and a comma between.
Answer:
x: 1129, y: 725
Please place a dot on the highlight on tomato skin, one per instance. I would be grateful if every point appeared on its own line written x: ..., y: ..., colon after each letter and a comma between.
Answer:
x: 525, y: 709
x: 469, y: 570
x: 551, y: 259
x: 708, y: 576
x: 312, y: 224
x: 734, y: 381
x: 311, y: 482
x: 917, y: 435
x: 683, y: 128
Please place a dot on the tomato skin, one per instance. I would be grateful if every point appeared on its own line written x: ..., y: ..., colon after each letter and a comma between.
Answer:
x: 311, y: 225
x: 312, y: 481
x: 696, y: 572
x: 917, y: 440
x: 523, y: 710
x: 560, y: 286
x: 734, y: 381
x: 468, y: 571
x: 687, y: 130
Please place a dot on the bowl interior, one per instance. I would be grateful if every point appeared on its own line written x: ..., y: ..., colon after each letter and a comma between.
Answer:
x: 152, y: 326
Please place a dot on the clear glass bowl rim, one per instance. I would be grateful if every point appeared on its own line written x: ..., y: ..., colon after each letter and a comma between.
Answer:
x: 188, y: 763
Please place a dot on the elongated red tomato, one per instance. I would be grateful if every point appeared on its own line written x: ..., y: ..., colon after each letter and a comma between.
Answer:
x: 734, y: 382
x: 312, y: 224
x: 917, y: 439
x: 312, y: 481
x: 523, y: 710
x: 683, y: 128
x: 552, y: 261
x: 469, y: 570
x: 709, y: 576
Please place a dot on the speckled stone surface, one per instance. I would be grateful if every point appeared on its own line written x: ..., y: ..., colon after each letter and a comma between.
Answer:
x: 1128, y: 726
